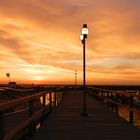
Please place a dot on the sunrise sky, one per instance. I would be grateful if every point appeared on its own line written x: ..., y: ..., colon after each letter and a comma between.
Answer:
x: 39, y: 41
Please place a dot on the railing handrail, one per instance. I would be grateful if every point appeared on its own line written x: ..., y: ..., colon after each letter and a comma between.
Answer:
x: 17, y: 129
x: 127, y: 107
x: 117, y: 92
x: 114, y: 101
x: 14, y: 102
x: 16, y: 89
x: 34, y: 115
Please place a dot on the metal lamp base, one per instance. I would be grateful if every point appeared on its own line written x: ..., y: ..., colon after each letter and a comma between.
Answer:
x: 84, y: 114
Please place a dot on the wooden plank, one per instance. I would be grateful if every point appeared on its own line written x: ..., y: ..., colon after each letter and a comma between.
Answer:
x: 66, y: 122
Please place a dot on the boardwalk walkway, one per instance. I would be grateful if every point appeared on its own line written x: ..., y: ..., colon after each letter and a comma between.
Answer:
x: 66, y: 123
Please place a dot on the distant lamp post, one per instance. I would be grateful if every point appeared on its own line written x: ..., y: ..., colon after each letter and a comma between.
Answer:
x: 8, y: 75
x: 75, y: 78
x: 83, y: 37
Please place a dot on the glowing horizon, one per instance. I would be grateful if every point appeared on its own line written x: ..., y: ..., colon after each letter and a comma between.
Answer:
x: 39, y: 41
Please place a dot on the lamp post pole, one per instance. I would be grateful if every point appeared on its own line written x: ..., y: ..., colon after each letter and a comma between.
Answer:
x: 83, y: 37
x: 84, y: 80
x: 75, y: 78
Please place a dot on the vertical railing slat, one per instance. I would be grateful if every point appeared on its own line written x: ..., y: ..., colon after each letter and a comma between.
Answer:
x: 2, y: 124
x: 117, y: 106
x: 44, y: 100
x: 32, y: 126
x: 131, y: 115
x: 112, y: 99
x: 50, y: 101
x: 55, y: 101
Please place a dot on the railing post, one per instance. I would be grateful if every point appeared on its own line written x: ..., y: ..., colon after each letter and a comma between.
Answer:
x: 131, y: 115
x: 102, y: 97
x: 50, y: 101
x: 55, y: 101
x: 44, y: 111
x: 32, y: 127
x: 117, y: 107
x: 108, y: 103
x: 31, y: 108
x: 107, y: 95
x: 112, y: 104
x: 97, y: 95
x: 44, y: 100
x: 2, y: 125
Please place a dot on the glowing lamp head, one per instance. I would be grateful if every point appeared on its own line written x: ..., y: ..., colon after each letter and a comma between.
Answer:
x: 85, y: 30
x: 81, y: 37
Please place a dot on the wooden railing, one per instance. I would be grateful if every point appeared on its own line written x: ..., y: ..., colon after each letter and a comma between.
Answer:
x: 35, y: 115
x: 113, y: 100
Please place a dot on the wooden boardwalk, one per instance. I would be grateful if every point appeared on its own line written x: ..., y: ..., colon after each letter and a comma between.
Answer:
x: 66, y: 122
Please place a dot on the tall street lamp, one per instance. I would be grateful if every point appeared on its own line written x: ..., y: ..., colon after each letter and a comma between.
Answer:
x: 83, y: 37
x: 75, y: 78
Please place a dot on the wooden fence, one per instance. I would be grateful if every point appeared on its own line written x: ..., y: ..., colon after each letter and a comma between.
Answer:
x: 113, y: 100
x: 35, y: 116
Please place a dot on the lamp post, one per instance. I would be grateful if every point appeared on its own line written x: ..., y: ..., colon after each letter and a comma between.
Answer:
x: 83, y: 36
x: 75, y: 78
x: 8, y: 75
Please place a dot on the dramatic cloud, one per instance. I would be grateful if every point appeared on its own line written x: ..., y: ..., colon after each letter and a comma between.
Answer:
x: 39, y: 40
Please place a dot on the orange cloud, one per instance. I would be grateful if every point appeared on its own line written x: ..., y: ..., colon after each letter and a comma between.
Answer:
x: 40, y: 40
